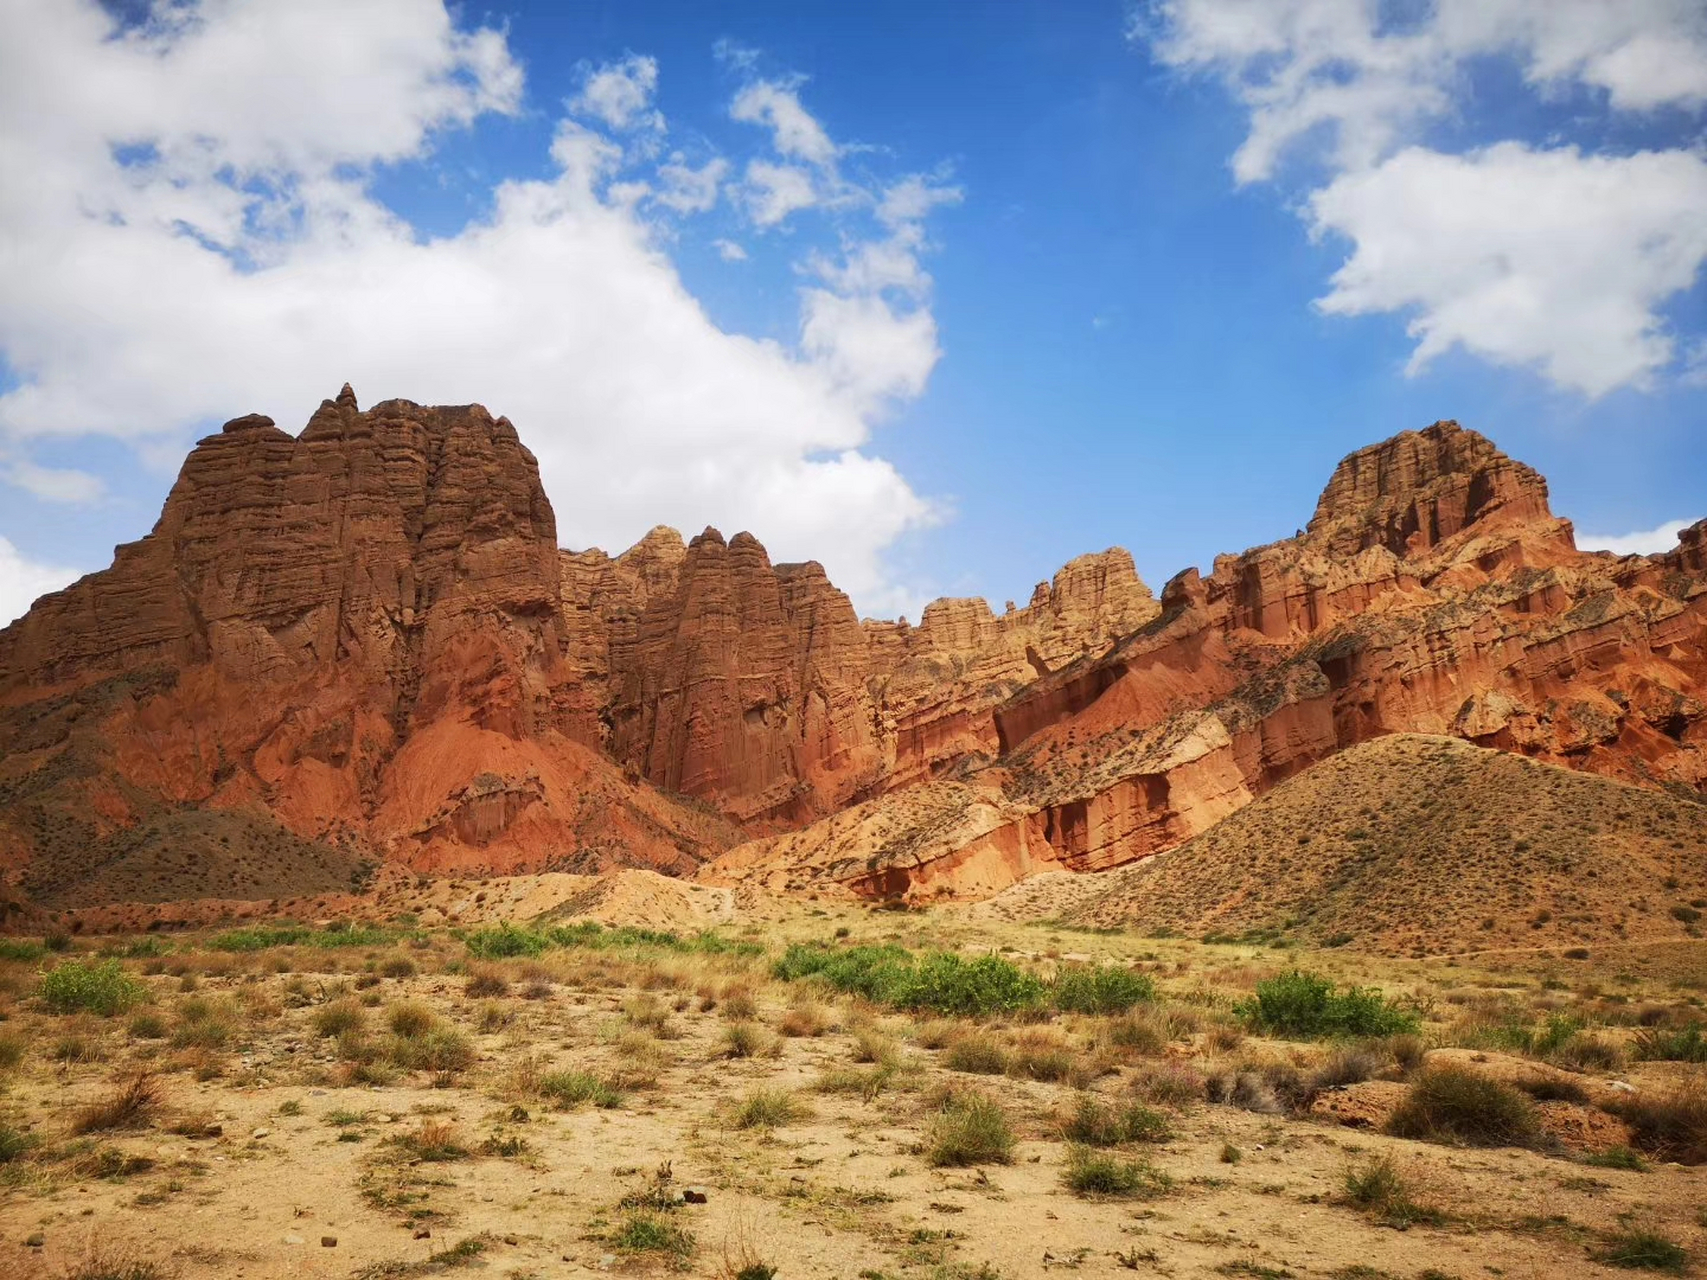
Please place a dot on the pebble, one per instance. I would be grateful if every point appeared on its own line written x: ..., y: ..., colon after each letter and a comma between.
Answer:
x: 260, y: 1133
x: 328, y: 1242
x: 425, y: 1233
x: 293, y: 1238
x: 695, y: 1195
x: 512, y: 1240
x: 36, y: 1241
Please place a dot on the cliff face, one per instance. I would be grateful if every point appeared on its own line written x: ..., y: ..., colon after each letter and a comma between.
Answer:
x: 362, y: 644
x: 1433, y: 592
x: 356, y: 633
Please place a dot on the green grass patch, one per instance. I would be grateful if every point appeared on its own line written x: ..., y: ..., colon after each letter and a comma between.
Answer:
x: 572, y: 1088
x: 653, y: 1233
x: 1101, y: 989
x: 264, y: 937
x: 91, y: 986
x: 1094, y: 1173
x: 1643, y: 1251
x: 970, y: 1129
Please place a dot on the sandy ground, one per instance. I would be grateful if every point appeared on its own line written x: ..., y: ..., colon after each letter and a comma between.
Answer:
x: 844, y: 1189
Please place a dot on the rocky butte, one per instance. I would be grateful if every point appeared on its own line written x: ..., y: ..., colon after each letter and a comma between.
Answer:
x: 361, y: 648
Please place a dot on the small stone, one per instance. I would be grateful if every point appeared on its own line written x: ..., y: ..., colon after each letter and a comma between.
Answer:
x: 36, y: 1241
x: 607, y: 1262
x: 260, y: 1133
x: 328, y: 1242
x: 512, y: 1239
x: 293, y: 1238
x: 425, y: 1233
x: 695, y: 1195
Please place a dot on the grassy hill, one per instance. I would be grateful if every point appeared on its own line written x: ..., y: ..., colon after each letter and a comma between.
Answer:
x: 1423, y: 845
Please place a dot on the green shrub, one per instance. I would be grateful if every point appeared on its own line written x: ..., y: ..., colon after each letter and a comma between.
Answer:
x: 264, y: 937
x: 938, y: 981
x: 91, y: 986
x: 1455, y: 1104
x: 148, y: 1025
x: 1095, y: 1125
x: 1101, y: 989
x: 970, y: 1129
x: 21, y: 949
x: 504, y: 941
x: 1616, y: 1158
x: 1643, y: 1251
x: 1096, y: 1173
x: 1308, y: 1006
x: 1672, y: 1044
x: 571, y: 1088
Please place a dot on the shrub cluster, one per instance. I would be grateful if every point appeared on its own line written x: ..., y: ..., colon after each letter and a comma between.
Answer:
x: 1308, y: 1006
x: 264, y: 937
x: 91, y: 986
x: 944, y: 982
x: 1457, y: 1105
x: 506, y: 941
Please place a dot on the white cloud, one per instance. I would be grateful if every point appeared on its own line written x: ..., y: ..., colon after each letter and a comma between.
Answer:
x: 238, y: 262
x: 776, y: 105
x: 1365, y: 79
x: 1550, y: 259
x: 776, y: 190
x: 729, y: 251
x: 1645, y: 543
x: 619, y: 94
x: 53, y: 484
x: 685, y: 189
x: 22, y: 580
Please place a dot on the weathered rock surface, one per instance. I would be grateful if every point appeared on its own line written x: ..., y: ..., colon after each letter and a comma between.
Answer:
x: 1433, y: 592
x: 362, y: 645
x: 354, y: 635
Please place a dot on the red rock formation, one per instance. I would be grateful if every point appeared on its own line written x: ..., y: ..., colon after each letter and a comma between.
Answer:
x: 357, y: 631
x: 1433, y: 592
x: 363, y: 642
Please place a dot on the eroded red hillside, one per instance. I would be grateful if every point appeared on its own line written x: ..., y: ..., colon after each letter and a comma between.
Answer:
x: 362, y: 645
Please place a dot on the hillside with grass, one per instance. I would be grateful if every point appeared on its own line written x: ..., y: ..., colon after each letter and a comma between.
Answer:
x: 1426, y: 845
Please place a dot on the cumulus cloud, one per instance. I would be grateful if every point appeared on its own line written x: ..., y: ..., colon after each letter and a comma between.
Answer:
x: 199, y: 239
x: 1551, y: 258
x: 729, y: 250
x: 619, y: 94
x: 684, y: 189
x: 1645, y: 543
x: 1357, y: 84
x: 776, y: 105
x: 22, y: 580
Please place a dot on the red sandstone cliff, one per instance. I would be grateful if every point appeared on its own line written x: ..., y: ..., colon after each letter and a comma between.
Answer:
x: 362, y: 643
x: 1433, y: 592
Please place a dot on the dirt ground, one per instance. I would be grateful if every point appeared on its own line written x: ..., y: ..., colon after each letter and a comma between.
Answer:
x: 754, y: 1127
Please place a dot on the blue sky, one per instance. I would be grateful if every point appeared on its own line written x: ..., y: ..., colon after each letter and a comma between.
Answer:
x: 1027, y: 280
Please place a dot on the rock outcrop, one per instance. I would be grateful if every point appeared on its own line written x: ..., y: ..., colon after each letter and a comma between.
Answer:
x: 362, y: 647
x: 356, y: 632
x: 1433, y: 592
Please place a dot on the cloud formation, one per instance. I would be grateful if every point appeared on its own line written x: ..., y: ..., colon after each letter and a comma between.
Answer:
x: 199, y: 239
x: 1644, y: 543
x: 22, y: 580
x: 1492, y: 250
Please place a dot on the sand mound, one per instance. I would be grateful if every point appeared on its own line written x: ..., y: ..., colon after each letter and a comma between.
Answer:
x: 1427, y: 845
